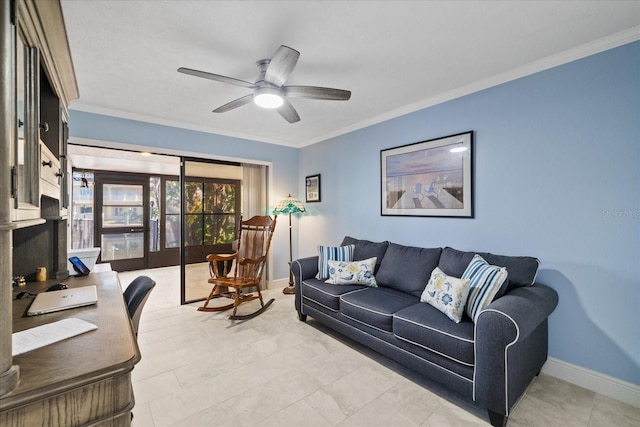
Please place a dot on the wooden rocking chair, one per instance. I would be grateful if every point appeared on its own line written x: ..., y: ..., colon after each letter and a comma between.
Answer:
x: 250, y: 259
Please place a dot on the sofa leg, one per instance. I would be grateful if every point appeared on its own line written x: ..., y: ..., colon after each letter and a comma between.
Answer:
x: 496, y: 419
x: 302, y: 317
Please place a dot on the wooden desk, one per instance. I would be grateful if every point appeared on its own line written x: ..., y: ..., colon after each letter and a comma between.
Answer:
x: 82, y: 380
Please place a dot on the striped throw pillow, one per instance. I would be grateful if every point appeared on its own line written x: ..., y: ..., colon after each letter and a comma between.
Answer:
x: 335, y: 253
x: 485, y: 281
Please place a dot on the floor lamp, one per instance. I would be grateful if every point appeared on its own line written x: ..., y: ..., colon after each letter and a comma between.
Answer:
x: 289, y: 205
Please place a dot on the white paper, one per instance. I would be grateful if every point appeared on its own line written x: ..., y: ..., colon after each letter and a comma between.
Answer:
x: 40, y: 336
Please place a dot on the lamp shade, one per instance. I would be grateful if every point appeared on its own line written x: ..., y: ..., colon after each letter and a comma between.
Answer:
x: 288, y: 205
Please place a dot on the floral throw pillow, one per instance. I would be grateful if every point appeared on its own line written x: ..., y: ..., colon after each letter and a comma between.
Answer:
x: 352, y: 272
x: 447, y: 294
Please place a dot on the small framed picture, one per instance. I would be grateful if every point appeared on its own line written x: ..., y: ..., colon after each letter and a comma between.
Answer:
x: 313, y: 188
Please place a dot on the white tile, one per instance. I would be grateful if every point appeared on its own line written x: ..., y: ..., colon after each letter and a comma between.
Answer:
x: 272, y: 397
x: 332, y: 366
x: 299, y: 413
x: 217, y: 415
x: 415, y: 402
x: 609, y: 412
x: 195, y: 398
x: 155, y: 387
x: 449, y: 415
x: 550, y: 401
x: 379, y: 414
x: 343, y: 397
x: 142, y: 415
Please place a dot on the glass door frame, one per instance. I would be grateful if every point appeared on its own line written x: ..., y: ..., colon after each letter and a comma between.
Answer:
x: 190, y: 253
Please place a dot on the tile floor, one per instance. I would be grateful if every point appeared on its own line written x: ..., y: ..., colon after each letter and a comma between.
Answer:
x: 200, y: 369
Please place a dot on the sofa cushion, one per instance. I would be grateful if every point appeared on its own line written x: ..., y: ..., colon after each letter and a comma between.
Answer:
x: 407, y: 268
x: 352, y: 272
x: 375, y: 306
x: 425, y: 326
x: 446, y: 293
x: 325, y: 294
x: 485, y: 282
x: 522, y: 269
x: 336, y: 253
x: 365, y: 249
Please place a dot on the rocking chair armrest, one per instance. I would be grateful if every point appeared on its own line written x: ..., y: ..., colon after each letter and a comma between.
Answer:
x: 220, y: 263
x: 221, y: 257
x: 245, y: 261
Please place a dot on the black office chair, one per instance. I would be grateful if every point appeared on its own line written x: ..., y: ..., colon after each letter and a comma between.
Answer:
x: 135, y: 296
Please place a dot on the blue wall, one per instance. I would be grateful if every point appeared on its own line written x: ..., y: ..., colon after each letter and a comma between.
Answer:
x: 557, y: 160
x: 284, y: 160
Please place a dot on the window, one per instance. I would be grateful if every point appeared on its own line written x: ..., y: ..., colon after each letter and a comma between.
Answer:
x: 211, y: 211
x: 172, y: 214
x: 82, y: 210
x: 155, y: 200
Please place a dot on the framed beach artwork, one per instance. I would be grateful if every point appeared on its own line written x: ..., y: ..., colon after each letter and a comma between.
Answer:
x: 429, y: 178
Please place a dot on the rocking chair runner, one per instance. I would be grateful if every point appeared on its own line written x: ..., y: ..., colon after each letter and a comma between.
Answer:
x: 251, y: 257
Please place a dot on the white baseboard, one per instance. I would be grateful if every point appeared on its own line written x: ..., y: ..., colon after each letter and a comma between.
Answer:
x: 594, y: 381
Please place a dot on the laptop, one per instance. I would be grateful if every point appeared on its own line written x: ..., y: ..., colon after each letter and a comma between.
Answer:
x: 64, y: 299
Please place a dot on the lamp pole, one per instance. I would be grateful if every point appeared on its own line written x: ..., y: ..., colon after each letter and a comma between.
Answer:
x: 290, y: 289
x: 289, y: 205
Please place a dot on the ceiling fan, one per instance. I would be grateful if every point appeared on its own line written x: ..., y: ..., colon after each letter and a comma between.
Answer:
x: 269, y: 90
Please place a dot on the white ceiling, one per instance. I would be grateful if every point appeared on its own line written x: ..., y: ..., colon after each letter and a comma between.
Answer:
x: 395, y: 56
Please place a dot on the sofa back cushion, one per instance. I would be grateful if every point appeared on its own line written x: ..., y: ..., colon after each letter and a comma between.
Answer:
x: 522, y: 270
x: 407, y: 268
x: 365, y: 249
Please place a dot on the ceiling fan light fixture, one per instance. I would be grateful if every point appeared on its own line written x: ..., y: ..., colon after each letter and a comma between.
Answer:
x: 268, y: 97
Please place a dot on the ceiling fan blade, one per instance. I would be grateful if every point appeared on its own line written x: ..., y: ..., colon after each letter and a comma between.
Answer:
x: 288, y: 112
x: 282, y: 64
x: 234, y: 104
x: 216, y: 77
x: 313, y: 92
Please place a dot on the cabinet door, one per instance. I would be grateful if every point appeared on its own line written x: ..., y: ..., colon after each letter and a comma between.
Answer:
x: 27, y: 150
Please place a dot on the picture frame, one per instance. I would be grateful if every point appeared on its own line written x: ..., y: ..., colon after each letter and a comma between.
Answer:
x: 312, y: 188
x: 432, y: 178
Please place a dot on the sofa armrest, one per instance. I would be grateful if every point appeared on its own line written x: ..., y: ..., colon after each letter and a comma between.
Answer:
x: 511, y: 344
x: 303, y: 268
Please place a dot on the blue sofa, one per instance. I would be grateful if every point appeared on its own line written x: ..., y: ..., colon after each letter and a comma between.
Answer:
x: 490, y: 362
